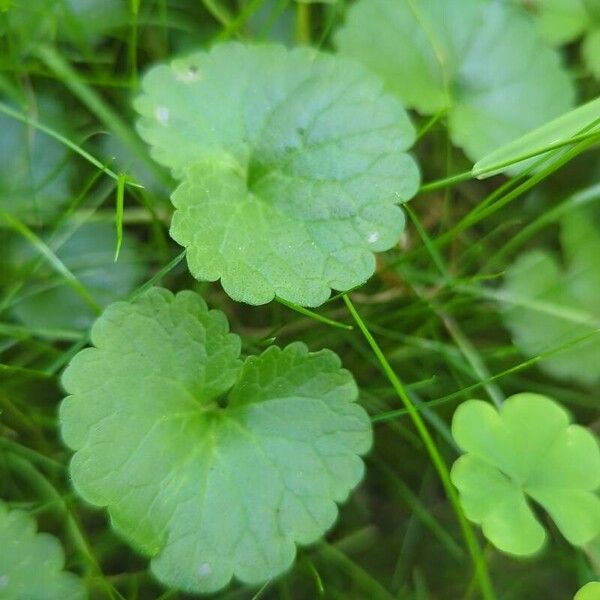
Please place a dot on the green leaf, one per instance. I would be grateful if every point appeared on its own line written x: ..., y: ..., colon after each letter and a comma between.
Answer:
x: 81, y: 22
x: 555, y: 305
x: 293, y: 163
x: 213, y: 467
x: 31, y: 563
x: 47, y: 301
x: 34, y: 168
x: 590, y: 51
x: 590, y: 591
x: 583, y: 120
x: 527, y: 450
x: 561, y: 21
x: 480, y: 61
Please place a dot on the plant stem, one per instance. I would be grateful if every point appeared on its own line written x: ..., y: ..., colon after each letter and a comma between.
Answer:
x: 303, y: 23
x: 7, y: 110
x: 477, y: 557
x: 313, y: 315
x: 446, y: 182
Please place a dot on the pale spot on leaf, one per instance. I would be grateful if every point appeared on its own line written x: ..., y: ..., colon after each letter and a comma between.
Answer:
x: 162, y: 115
x: 189, y: 75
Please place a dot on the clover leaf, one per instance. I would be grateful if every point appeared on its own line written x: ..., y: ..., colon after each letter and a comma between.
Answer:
x: 481, y: 61
x: 293, y: 164
x: 212, y: 466
x: 552, y: 306
x: 590, y: 591
x: 527, y: 449
x: 47, y: 300
x: 31, y: 563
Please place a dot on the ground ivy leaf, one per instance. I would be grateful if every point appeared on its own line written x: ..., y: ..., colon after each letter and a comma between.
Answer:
x: 31, y: 563
x: 528, y: 449
x: 555, y: 305
x: 293, y: 164
x: 211, y: 481
x: 481, y: 61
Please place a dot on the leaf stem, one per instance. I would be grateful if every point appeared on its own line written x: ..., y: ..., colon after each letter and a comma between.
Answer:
x: 431, y: 122
x: 62, y: 139
x: 96, y: 104
x: 303, y: 23
x: 477, y: 557
x: 218, y: 12
x: 120, y: 201
x: 590, y: 136
x: 313, y: 315
x: 445, y: 182
x: 53, y: 260
x: 157, y: 277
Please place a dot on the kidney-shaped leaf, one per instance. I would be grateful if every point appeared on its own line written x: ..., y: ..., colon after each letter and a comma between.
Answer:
x: 481, y: 61
x: 528, y: 449
x: 31, y: 563
x: 213, y: 467
x: 293, y: 163
x: 550, y: 306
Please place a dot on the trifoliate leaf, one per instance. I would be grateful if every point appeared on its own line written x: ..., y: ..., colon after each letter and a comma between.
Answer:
x: 31, y: 563
x: 481, y: 61
x: 550, y: 306
x: 47, y: 300
x: 527, y: 450
x: 213, y: 467
x: 292, y: 163
x: 590, y: 591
